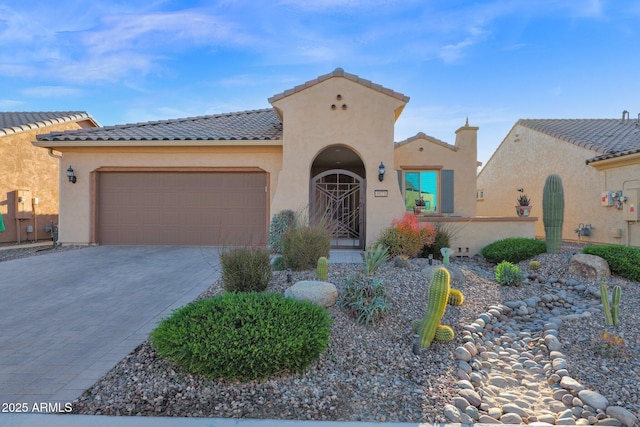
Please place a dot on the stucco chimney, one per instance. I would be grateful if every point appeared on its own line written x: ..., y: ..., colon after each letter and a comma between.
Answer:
x: 467, y: 137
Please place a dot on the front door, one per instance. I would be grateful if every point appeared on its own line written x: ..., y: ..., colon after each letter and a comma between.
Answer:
x: 338, y: 198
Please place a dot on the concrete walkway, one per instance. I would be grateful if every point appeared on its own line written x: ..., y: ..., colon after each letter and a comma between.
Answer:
x: 40, y: 420
x: 68, y: 317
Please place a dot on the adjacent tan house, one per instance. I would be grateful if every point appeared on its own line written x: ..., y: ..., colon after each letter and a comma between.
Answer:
x: 599, y: 162
x: 325, y: 146
x: 29, y: 176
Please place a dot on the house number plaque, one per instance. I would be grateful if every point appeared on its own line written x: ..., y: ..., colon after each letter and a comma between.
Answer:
x: 380, y: 193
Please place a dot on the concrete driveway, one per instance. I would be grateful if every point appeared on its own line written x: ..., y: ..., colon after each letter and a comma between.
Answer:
x: 67, y: 318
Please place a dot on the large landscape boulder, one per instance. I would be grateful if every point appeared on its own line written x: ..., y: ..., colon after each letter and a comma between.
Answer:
x: 585, y: 265
x: 321, y: 293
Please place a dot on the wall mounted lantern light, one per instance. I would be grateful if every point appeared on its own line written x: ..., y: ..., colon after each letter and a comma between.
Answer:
x: 71, y: 176
x: 381, y: 171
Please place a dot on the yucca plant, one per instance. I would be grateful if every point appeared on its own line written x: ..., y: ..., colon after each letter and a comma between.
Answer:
x: 374, y: 258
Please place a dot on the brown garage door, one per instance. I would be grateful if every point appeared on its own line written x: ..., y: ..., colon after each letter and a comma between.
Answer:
x: 182, y: 208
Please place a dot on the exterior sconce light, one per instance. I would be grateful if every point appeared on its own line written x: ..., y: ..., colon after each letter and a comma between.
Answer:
x: 71, y: 176
x: 381, y: 171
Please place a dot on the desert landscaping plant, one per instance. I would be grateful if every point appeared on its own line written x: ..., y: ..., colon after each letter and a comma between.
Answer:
x: 553, y: 212
x: 513, y: 249
x: 279, y: 224
x: 534, y: 265
x: 508, y: 274
x: 244, y: 336
x: 440, y: 294
x: 245, y: 269
x: 302, y: 246
x: 365, y: 297
x: 374, y: 258
x: 611, y: 311
x: 406, y: 236
x: 322, y: 269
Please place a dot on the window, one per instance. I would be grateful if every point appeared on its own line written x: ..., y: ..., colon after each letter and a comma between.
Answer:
x: 421, y: 184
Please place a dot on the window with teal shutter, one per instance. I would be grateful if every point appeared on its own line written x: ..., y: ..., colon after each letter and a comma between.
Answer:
x: 421, y: 184
x: 434, y: 186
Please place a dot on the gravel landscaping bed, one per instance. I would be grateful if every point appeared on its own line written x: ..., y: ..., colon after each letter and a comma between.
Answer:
x: 11, y: 251
x: 371, y: 373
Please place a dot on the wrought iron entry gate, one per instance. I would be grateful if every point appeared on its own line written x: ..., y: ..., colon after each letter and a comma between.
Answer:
x: 338, y: 197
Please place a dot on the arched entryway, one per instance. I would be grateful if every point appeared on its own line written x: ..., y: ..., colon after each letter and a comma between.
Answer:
x: 337, y: 195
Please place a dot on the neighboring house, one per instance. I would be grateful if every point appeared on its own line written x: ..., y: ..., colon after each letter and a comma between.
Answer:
x: 218, y: 179
x: 29, y: 175
x: 599, y: 162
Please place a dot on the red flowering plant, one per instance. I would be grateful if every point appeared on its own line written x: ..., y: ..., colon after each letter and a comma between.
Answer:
x: 406, y: 236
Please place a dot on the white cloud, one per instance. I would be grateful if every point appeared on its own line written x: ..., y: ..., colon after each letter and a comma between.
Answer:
x: 52, y: 92
x: 10, y: 104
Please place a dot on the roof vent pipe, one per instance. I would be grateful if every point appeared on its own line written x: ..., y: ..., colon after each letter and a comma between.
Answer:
x: 625, y: 113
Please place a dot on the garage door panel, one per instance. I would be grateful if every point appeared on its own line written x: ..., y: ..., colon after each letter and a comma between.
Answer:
x: 182, y: 208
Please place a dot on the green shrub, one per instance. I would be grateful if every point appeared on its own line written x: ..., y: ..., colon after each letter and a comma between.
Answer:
x: 302, y: 246
x: 406, y: 236
x: 508, y: 274
x: 513, y: 249
x: 374, y: 258
x: 623, y: 260
x: 244, y: 336
x: 278, y: 264
x: 441, y: 240
x: 279, y: 224
x: 365, y: 297
x: 245, y: 270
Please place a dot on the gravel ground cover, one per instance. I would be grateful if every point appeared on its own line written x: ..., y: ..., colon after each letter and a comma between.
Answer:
x: 370, y: 373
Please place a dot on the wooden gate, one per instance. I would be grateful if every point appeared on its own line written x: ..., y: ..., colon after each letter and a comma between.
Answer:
x: 338, y: 198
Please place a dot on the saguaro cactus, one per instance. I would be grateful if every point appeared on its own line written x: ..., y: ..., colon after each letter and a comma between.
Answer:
x: 553, y: 212
x: 322, y: 269
x: 439, y: 295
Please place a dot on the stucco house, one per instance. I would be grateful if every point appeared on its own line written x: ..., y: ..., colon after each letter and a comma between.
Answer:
x: 325, y: 146
x: 599, y: 162
x: 29, y: 175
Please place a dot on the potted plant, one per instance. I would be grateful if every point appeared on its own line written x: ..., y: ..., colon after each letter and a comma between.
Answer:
x: 523, y: 208
x: 420, y: 206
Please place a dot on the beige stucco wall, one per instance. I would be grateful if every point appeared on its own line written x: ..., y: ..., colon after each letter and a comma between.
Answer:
x: 75, y: 208
x: 469, y: 235
x: 25, y: 167
x: 366, y: 126
x: 462, y: 158
x: 524, y: 160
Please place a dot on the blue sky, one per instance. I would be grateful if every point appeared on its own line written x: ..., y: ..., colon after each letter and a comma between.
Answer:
x: 493, y: 61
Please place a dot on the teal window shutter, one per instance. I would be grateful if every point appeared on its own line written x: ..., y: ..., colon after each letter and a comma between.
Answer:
x: 446, y: 202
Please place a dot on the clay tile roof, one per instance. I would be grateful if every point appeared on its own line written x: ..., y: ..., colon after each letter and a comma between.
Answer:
x: 244, y: 125
x: 20, y: 121
x: 339, y: 72
x: 607, y: 137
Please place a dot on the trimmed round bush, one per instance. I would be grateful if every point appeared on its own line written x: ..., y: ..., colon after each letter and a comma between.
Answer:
x: 623, y: 260
x: 302, y: 246
x: 513, y: 249
x: 244, y: 336
x: 245, y: 270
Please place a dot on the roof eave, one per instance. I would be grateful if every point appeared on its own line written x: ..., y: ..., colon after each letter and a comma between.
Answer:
x: 58, y: 145
x: 615, y: 162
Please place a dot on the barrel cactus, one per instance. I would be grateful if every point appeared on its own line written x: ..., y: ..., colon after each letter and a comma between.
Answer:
x: 553, y: 212
x: 440, y: 294
x: 322, y: 269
